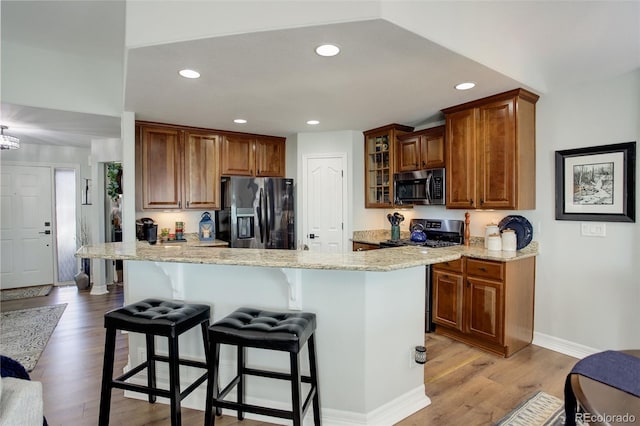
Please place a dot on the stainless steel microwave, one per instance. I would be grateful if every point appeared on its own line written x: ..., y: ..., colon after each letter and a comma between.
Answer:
x: 421, y: 187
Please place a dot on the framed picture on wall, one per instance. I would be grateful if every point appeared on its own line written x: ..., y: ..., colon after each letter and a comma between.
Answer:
x: 596, y: 183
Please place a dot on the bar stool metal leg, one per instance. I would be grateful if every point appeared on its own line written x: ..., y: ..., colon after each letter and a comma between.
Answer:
x: 296, y: 380
x: 107, y: 376
x: 311, y: 346
x: 212, y: 386
x: 241, y: 374
x: 174, y: 380
x: 151, y: 366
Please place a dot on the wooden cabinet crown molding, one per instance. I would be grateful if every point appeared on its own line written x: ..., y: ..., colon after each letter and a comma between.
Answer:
x: 520, y: 93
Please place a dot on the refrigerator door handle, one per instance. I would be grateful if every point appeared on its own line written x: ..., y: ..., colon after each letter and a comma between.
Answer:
x: 261, y: 223
x: 268, y: 206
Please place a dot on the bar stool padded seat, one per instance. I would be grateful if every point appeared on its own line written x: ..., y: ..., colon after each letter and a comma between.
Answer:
x: 157, y: 316
x: 281, y: 331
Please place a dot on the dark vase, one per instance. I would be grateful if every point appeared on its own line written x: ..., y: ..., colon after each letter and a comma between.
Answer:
x: 83, y: 278
x: 86, y: 266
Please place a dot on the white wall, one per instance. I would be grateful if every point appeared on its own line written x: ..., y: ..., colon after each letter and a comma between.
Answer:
x: 60, y: 80
x: 587, y: 289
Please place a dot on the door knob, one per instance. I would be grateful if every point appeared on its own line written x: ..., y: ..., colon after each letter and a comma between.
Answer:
x: 312, y: 236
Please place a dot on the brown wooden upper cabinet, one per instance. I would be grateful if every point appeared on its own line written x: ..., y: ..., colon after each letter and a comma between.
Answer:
x: 421, y: 150
x: 490, y: 156
x: 176, y: 168
x: 201, y: 170
x: 251, y: 155
x: 380, y: 164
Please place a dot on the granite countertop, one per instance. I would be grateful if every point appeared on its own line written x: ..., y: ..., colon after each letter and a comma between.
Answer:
x: 193, y: 240
x: 373, y: 260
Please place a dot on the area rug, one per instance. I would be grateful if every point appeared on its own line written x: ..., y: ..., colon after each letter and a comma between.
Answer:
x: 540, y: 409
x: 25, y: 292
x: 24, y: 333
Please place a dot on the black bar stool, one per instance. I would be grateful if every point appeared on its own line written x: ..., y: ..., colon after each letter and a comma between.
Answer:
x: 153, y: 317
x: 253, y: 328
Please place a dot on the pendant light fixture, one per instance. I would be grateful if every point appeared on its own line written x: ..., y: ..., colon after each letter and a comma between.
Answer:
x: 8, y: 142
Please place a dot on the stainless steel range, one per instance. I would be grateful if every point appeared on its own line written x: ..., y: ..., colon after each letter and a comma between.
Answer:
x: 439, y: 233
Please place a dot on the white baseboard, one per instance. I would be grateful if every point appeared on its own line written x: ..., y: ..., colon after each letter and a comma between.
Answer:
x: 402, y: 407
x: 386, y: 415
x: 563, y: 346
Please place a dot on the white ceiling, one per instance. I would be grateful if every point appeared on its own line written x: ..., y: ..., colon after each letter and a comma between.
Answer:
x: 384, y: 74
x: 275, y: 80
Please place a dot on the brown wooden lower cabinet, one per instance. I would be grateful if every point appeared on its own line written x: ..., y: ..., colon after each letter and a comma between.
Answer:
x: 364, y: 246
x: 485, y: 303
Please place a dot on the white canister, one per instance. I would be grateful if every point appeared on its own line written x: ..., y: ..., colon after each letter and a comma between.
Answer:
x: 494, y: 242
x: 491, y: 228
x: 509, y: 240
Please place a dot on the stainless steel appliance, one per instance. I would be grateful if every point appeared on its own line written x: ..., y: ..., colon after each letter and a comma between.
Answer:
x: 421, y: 187
x: 440, y: 233
x: 257, y: 213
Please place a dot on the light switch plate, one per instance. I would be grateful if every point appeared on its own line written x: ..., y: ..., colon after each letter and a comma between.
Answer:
x: 593, y: 229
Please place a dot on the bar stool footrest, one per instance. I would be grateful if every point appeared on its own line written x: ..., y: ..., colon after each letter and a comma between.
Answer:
x: 273, y: 375
x: 255, y: 409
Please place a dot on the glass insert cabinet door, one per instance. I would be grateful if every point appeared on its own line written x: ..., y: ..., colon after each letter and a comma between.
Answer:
x: 380, y: 145
x: 379, y: 191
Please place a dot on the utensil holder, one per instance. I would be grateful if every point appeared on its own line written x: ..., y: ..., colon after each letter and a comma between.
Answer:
x: 395, y: 232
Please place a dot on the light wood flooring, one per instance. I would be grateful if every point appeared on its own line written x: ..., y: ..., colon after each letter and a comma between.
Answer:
x: 466, y: 386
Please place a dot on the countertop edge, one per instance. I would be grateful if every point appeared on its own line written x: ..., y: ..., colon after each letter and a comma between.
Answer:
x: 386, y: 260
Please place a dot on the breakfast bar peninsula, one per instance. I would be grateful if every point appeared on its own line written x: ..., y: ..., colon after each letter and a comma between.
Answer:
x: 370, y: 309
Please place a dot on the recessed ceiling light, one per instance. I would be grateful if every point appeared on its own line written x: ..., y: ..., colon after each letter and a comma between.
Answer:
x: 466, y: 85
x: 189, y: 73
x: 239, y: 121
x: 327, y: 50
x: 313, y: 122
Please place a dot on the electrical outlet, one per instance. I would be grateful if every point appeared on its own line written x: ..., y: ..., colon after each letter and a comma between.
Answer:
x: 593, y: 229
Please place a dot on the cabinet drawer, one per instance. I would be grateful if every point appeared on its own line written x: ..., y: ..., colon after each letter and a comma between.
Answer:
x: 485, y: 268
x: 364, y: 246
x: 452, y: 265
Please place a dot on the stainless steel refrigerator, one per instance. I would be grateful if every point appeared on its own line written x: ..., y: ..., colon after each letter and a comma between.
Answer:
x: 257, y: 213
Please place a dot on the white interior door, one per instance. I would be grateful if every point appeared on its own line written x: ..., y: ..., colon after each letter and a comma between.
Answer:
x: 26, y: 248
x: 323, y: 200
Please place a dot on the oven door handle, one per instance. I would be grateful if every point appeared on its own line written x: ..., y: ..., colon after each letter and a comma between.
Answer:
x: 428, y: 187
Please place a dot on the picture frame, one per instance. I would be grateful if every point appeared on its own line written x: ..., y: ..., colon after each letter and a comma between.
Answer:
x: 596, y: 183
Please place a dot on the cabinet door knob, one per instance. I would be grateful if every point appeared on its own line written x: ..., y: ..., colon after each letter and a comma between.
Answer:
x: 468, y: 283
x: 483, y: 269
x: 481, y: 201
x: 471, y: 202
